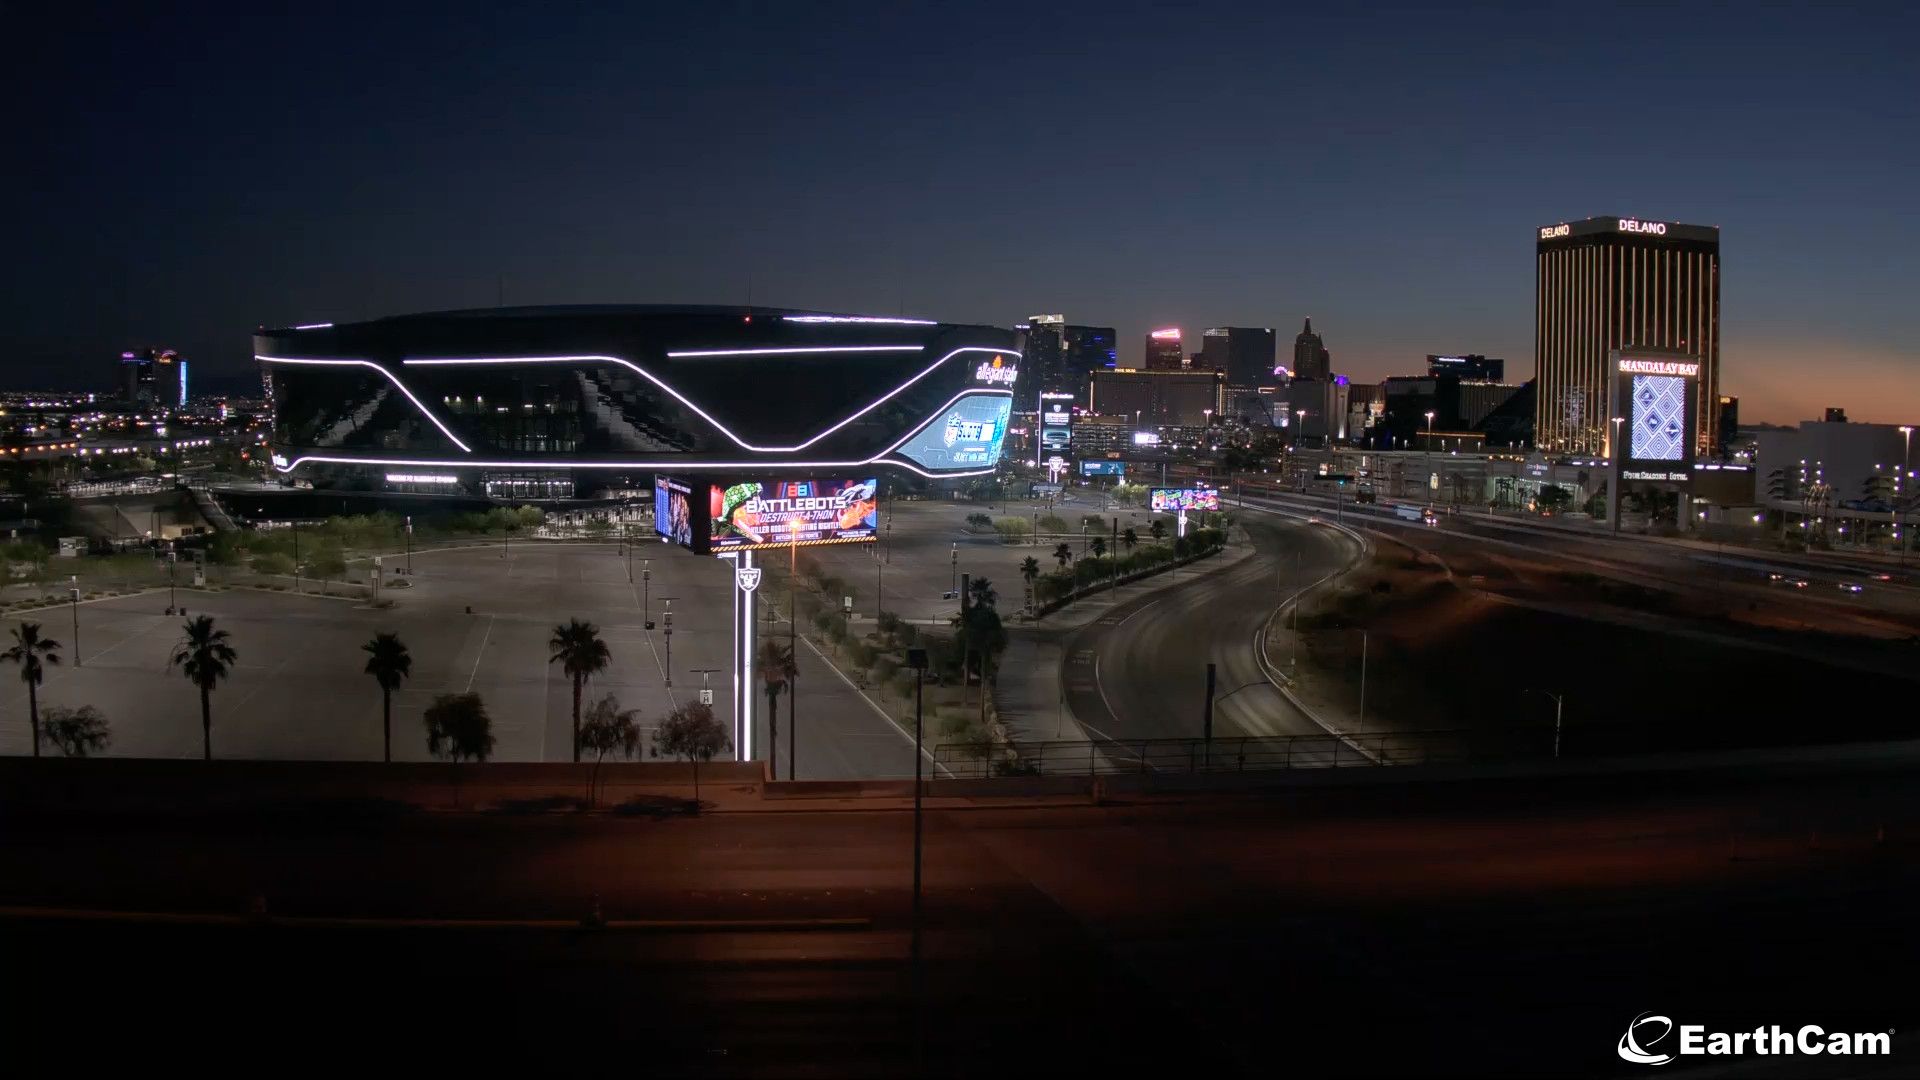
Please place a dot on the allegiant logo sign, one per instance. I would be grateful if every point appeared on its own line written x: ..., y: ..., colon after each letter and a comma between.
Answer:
x: 1649, y: 1041
x: 1659, y: 367
x: 995, y: 372
x: 1635, y: 225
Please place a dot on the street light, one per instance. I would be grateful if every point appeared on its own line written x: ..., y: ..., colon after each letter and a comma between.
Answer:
x: 667, y: 617
x: 1614, y: 500
x: 917, y: 660
x: 1906, y: 472
x: 1559, y: 706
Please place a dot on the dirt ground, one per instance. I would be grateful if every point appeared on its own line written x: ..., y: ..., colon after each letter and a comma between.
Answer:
x: 1442, y: 656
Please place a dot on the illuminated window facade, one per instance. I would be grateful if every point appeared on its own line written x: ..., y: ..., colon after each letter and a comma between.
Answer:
x: 511, y: 392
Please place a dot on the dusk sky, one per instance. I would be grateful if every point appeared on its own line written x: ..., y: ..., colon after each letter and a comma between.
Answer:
x: 181, y: 177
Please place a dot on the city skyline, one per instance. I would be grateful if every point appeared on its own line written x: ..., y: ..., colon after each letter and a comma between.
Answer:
x: 1404, y: 227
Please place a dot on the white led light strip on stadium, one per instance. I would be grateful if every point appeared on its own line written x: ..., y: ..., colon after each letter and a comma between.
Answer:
x: 391, y: 377
x: 478, y: 361
x: 670, y: 466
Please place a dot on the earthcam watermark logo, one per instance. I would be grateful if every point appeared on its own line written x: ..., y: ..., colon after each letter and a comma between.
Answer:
x: 1655, y: 1040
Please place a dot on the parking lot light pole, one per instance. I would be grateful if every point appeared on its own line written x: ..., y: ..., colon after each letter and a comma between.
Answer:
x: 667, y: 617
x: 917, y: 660
x: 73, y: 593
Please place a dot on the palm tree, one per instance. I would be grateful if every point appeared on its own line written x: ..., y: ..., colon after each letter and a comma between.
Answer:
x: 1128, y: 538
x: 982, y: 594
x: 776, y: 668
x: 389, y: 663
x: 1063, y: 554
x: 205, y: 658
x: 1099, y: 546
x: 580, y: 652
x: 32, y: 652
x: 1030, y: 568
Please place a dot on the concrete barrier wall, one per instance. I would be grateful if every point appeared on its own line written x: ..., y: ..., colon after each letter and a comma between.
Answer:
x: 132, y: 784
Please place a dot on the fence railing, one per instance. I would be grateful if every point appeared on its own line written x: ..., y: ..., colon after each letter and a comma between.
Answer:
x: 1242, y: 754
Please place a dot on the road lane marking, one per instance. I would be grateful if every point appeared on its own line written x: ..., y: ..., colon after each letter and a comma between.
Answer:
x: 884, y: 715
x: 481, y: 655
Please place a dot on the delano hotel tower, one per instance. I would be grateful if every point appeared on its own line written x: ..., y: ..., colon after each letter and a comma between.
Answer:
x: 1619, y: 283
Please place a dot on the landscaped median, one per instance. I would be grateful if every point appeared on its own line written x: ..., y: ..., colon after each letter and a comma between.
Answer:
x: 1090, y: 574
x: 963, y: 660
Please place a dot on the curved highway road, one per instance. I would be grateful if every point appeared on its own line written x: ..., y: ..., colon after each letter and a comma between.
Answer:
x: 1139, y: 671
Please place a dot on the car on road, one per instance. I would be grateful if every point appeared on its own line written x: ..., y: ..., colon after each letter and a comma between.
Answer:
x: 1851, y: 587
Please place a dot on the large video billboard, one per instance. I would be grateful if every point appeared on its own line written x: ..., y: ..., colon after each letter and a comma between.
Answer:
x: 1171, y: 499
x: 754, y: 514
x: 1056, y: 423
x: 673, y: 511
x: 1658, y: 418
x: 1655, y: 399
x: 968, y: 435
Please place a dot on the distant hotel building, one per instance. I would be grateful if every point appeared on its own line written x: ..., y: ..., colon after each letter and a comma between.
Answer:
x: 1471, y: 366
x: 1244, y: 354
x: 1164, y: 352
x: 1060, y: 356
x: 154, y: 378
x: 1620, y: 283
x: 1158, y: 398
x: 1091, y: 348
x: 1310, y: 357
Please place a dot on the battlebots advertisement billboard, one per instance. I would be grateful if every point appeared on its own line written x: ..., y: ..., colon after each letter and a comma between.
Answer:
x: 755, y: 514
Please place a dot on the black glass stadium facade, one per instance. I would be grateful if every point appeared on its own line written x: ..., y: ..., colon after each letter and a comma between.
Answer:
x: 561, y: 401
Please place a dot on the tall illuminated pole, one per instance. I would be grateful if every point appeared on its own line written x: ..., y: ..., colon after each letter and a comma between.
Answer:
x: 793, y: 644
x: 746, y: 578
